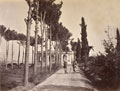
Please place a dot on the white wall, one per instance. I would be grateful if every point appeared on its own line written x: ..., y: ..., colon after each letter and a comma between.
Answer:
x: 15, y: 51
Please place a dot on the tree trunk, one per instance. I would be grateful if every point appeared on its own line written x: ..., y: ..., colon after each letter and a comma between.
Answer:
x: 19, y: 56
x: 32, y: 54
x: 7, y: 52
x: 36, y: 41
x: 23, y: 55
x: 61, y: 57
x: 12, y: 56
x: 50, y: 50
x: 46, y: 48
x: 42, y: 35
x: 56, y: 51
x: 42, y: 50
x: 60, y: 52
x: 35, y: 55
x: 56, y: 54
x: 28, y: 23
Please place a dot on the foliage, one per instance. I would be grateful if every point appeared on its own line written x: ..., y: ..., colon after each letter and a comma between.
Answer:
x: 32, y: 40
x: 84, y: 51
x: 104, y: 69
x: 10, y: 35
x: 73, y: 45
x: 62, y: 32
x: 39, y: 39
x: 62, y: 35
x: 85, y: 48
x: 50, y: 9
x: 7, y: 34
x: 21, y: 37
x: 13, y: 35
x: 118, y: 40
x: 2, y: 30
x: 49, y: 13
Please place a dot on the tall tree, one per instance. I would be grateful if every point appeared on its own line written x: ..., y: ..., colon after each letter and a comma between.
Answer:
x: 118, y: 40
x: 46, y: 48
x: 50, y: 37
x: 85, y: 46
x: 49, y: 13
x: 7, y: 38
x: 19, y: 44
x: 61, y: 37
x: 42, y: 37
x: 36, y: 7
x: 118, y: 50
x: 28, y: 24
x: 32, y: 43
x: 13, y: 36
x: 21, y: 38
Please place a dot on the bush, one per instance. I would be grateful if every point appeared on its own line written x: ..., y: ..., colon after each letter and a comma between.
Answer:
x: 103, y: 71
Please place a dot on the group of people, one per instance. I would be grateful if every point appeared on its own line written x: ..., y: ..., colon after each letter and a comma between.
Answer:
x: 65, y: 64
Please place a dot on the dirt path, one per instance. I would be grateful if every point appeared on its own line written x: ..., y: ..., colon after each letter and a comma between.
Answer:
x: 72, y: 81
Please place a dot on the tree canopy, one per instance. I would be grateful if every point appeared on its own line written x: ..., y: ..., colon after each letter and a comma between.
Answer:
x: 49, y: 10
x: 2, y: 30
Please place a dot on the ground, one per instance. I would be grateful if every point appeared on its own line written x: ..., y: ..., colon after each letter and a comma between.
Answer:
x: 72, y: 81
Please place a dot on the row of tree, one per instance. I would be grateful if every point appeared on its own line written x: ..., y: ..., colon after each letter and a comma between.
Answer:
x: 46, y: 14
x: 11, y: 35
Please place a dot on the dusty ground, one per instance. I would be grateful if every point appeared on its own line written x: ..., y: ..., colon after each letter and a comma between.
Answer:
x: 72, y: 81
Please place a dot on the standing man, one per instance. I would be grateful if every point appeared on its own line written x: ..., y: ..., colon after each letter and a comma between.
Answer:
x: 74, y: 65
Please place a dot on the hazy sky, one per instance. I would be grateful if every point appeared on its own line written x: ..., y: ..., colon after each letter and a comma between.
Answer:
x: 98, y: 15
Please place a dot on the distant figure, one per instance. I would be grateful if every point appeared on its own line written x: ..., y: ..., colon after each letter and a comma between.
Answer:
x: 65, y: 63
x: 74, y: 64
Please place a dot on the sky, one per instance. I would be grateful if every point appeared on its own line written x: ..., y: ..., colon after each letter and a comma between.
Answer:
x: 98, y: 14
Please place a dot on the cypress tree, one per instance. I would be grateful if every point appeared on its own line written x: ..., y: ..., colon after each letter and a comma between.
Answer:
x: 118, y: 41
x: 78, y: 51
x: 118, y: 49
x: 85, y: 46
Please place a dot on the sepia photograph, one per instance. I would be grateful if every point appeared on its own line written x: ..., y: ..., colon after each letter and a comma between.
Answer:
x: 60, y: 45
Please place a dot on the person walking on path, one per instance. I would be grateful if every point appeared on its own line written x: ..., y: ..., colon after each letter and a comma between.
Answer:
x: 74, y: 64
x: 65, y: 63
